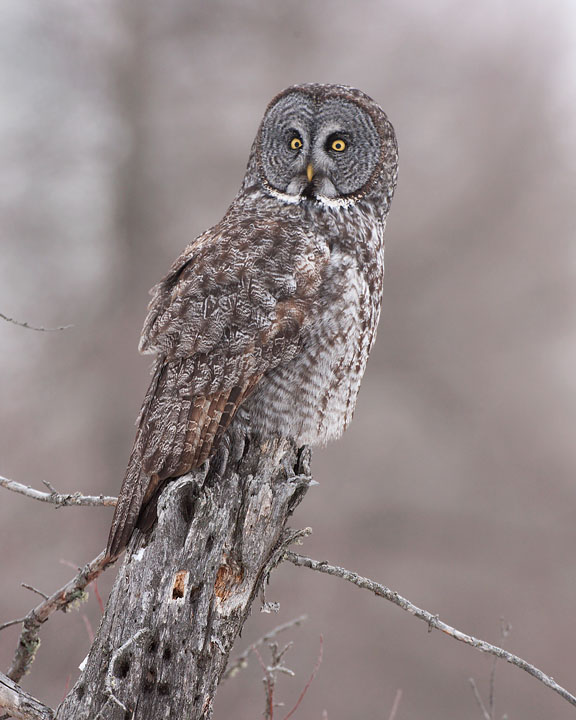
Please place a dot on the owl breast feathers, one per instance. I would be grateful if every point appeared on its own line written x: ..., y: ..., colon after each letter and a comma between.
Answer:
x: 274, y: 309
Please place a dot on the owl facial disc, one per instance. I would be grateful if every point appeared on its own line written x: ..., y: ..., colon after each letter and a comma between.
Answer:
x: 317, y: 144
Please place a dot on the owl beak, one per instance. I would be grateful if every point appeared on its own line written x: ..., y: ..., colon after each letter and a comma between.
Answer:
x: 310, y: 172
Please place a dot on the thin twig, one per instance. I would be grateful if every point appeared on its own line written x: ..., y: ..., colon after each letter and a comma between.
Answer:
x: 10, y: 623
x: 66, y: 686
x: 34, y: 590
x: 56, y: 498
x: 33, y: 327
x: 492, y: 688
x: 395, y: 704
x: 479, y: 701
x: 433, y: 621
x: 269, y: 681
x: 489, y: 713
x: 89, y: 628
x: 240, y: 662
x: 310, y: 681
x: 62, y: 599
x: 505, y: 630
x: 98, y: 596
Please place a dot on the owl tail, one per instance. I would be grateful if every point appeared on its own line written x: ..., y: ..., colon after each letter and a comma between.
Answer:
x: 127, y: 509
x: 132, y: 493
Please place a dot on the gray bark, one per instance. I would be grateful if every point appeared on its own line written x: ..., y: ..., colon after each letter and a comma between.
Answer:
x: 184, y: 592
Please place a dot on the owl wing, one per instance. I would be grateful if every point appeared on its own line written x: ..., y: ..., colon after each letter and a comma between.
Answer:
x: 229, y: 310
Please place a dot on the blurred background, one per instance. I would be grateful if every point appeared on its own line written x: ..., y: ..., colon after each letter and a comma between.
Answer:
x: 125, y: 128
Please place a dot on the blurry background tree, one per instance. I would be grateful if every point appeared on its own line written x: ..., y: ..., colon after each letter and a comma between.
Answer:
x: 124, y: 131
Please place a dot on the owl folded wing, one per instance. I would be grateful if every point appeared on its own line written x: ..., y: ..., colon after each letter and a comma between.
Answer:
x: 217, y: 326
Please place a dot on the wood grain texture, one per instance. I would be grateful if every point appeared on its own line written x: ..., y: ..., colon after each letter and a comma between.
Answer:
x: 19, y: 704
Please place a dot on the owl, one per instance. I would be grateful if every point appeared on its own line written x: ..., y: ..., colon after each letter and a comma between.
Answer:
x: 269, y: 316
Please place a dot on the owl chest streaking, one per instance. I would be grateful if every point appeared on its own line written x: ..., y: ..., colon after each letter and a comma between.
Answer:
x: 270, y: 315
x: 312, y: 398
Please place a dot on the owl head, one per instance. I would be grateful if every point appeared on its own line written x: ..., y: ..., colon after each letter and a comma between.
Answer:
x: 327, y: 144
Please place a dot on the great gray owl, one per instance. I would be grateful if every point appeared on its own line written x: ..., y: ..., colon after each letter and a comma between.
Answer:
x: 274, y: 309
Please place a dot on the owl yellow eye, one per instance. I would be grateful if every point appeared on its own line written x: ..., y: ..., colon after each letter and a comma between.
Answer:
x: 339, y: 145
x: 295, y: 143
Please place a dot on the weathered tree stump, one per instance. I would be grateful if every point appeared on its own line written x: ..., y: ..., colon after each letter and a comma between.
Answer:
x: 184, y: 591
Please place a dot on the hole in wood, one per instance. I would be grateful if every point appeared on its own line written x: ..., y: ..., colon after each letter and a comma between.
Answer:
x: 167, y: 654
x: 122, y: 668
x: 152, y: 647
x: 209, y: 543
x: 194, y: 593
x: 163, y: 689
x: 80, y: 690
x: 179, y: 585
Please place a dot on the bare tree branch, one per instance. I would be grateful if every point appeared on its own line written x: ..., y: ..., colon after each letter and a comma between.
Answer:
x: 62, y: 599
x: 433, y: 621
x: 56, y: 498
x: 19, y: 704
x: 241, y: 661
x: 269, y: 679
x: 33, y: 327
x: 278, y: 666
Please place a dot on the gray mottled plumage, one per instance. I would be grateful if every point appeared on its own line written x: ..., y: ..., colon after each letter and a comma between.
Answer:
x: 274, y: 309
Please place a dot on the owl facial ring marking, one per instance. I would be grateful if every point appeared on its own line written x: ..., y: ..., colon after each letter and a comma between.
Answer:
x: 316, y: 145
